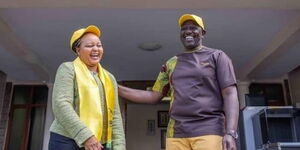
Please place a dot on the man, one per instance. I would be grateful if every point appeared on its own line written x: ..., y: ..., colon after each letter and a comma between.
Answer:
x: 201, y: 82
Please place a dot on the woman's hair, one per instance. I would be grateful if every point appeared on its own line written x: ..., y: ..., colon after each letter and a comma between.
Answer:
x: 76, y: 44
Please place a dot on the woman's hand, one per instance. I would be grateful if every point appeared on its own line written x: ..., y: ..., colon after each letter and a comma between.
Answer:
x: 92, y: 144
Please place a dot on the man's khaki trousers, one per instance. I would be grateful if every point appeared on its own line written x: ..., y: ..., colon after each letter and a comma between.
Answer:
x: 207, y: 142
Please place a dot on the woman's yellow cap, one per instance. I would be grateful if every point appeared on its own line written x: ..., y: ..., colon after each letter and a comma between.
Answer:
x: 89, y: 29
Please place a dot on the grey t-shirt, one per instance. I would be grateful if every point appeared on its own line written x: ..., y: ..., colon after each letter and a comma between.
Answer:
x: 197, y: 80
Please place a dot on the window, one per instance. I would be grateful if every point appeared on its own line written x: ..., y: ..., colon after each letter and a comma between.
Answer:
x: 27, y: 117
x: 272, y: 92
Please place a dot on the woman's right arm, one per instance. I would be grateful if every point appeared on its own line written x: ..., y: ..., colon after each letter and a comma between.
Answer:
x: 62, y: 103
x: 139, y: 96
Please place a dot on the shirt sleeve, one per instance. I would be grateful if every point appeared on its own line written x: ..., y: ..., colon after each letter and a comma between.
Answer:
x: 62, y: 104
x: 162, y: 82
x: 118, y: 136
x: 118, y: 130
x: 225, y: 71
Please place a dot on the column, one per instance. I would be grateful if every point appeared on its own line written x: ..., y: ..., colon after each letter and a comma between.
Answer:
x: 243, y: 88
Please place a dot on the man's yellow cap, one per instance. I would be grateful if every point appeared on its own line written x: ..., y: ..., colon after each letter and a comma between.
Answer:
x: 89, y: 29
x: 192, y: 17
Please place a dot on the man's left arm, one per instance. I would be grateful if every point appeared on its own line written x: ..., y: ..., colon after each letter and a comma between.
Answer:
x: 231, y: 109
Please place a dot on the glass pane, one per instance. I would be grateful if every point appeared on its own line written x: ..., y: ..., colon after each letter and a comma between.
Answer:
x: 280, y: 130
x: 21, y: 94
x: 36, y: 128
x: 40, y: 94
x: 16, y: 136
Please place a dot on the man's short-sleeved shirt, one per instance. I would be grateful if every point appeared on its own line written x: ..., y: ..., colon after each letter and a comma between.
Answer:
x: 194, y: 81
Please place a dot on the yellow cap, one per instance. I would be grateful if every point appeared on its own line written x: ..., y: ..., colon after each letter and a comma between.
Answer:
x: 89, y: 29
x: 192, y: 17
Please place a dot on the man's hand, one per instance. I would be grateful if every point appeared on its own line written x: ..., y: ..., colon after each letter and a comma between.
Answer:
x: 92, y: 144
x: 229, y: 143
x: 139, y: 96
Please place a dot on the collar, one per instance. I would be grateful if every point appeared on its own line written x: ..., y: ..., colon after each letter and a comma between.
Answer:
x: 197, y: 49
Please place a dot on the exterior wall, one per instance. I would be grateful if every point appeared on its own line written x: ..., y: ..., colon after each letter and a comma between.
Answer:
x: 4, y: 107
x: 49, y: 118
x: 294, y: 81
x: 2, y: 87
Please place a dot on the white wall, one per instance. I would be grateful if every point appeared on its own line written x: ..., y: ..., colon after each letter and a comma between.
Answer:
x: 136, y: 133
x: 49, y: 118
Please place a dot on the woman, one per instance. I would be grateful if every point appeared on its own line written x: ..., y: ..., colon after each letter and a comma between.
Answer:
x: 85, y: 100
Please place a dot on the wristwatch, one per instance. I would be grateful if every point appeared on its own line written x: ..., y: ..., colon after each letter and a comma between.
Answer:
x: 233, y: 133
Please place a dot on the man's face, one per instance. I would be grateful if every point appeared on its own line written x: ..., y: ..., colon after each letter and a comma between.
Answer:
x: 190, y: 34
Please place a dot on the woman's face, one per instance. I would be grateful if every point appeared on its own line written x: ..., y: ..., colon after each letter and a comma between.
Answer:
x: 90, y: 50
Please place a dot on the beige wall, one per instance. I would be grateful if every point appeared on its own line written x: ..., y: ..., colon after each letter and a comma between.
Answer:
x: 136, y: 134
x: 294, y: 81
